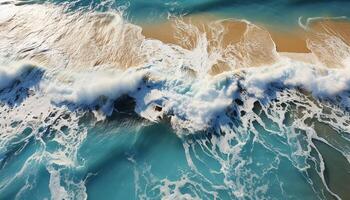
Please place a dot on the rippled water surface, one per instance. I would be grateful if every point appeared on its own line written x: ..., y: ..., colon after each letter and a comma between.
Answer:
x: 91, y: 108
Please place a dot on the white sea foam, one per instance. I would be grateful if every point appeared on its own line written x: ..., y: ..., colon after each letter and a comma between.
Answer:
x: 178, y: 78
x: 318, y: 80
x: 84, y: 88
x: 168, y: 81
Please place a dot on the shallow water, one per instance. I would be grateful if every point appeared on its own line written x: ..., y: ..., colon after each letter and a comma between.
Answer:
x: 92, y: 109
x: 276, y: 12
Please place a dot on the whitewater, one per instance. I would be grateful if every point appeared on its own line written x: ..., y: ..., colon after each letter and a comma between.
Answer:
x: 247, y: 122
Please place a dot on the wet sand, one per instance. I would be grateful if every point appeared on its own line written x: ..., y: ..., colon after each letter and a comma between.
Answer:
x: 102, y: 41
x: 286, y: 41
x: 339, y: 28
x: 293, y: 40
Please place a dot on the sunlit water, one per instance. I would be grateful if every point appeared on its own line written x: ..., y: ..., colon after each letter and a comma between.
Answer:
x: 90, y: 109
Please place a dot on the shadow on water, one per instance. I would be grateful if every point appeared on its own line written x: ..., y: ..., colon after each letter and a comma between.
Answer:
x: 15, y: 147
x: 21, y: 87
x: 337, y: 172
x: 126, y: 151
x: 123, y: 143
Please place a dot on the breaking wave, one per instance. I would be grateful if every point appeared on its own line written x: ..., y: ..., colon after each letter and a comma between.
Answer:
x: 224, y: 94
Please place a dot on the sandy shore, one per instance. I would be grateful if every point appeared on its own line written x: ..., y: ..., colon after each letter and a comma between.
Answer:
x: 293, y: 40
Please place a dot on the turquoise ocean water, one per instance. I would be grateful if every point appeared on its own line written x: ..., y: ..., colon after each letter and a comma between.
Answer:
x: 267, y: 12
x: 73, y: 128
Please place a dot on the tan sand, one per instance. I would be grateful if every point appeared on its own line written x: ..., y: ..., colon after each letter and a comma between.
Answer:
x: 293, y: 40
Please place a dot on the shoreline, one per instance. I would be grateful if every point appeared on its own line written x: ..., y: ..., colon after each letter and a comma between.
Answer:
x: 293, y: 40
